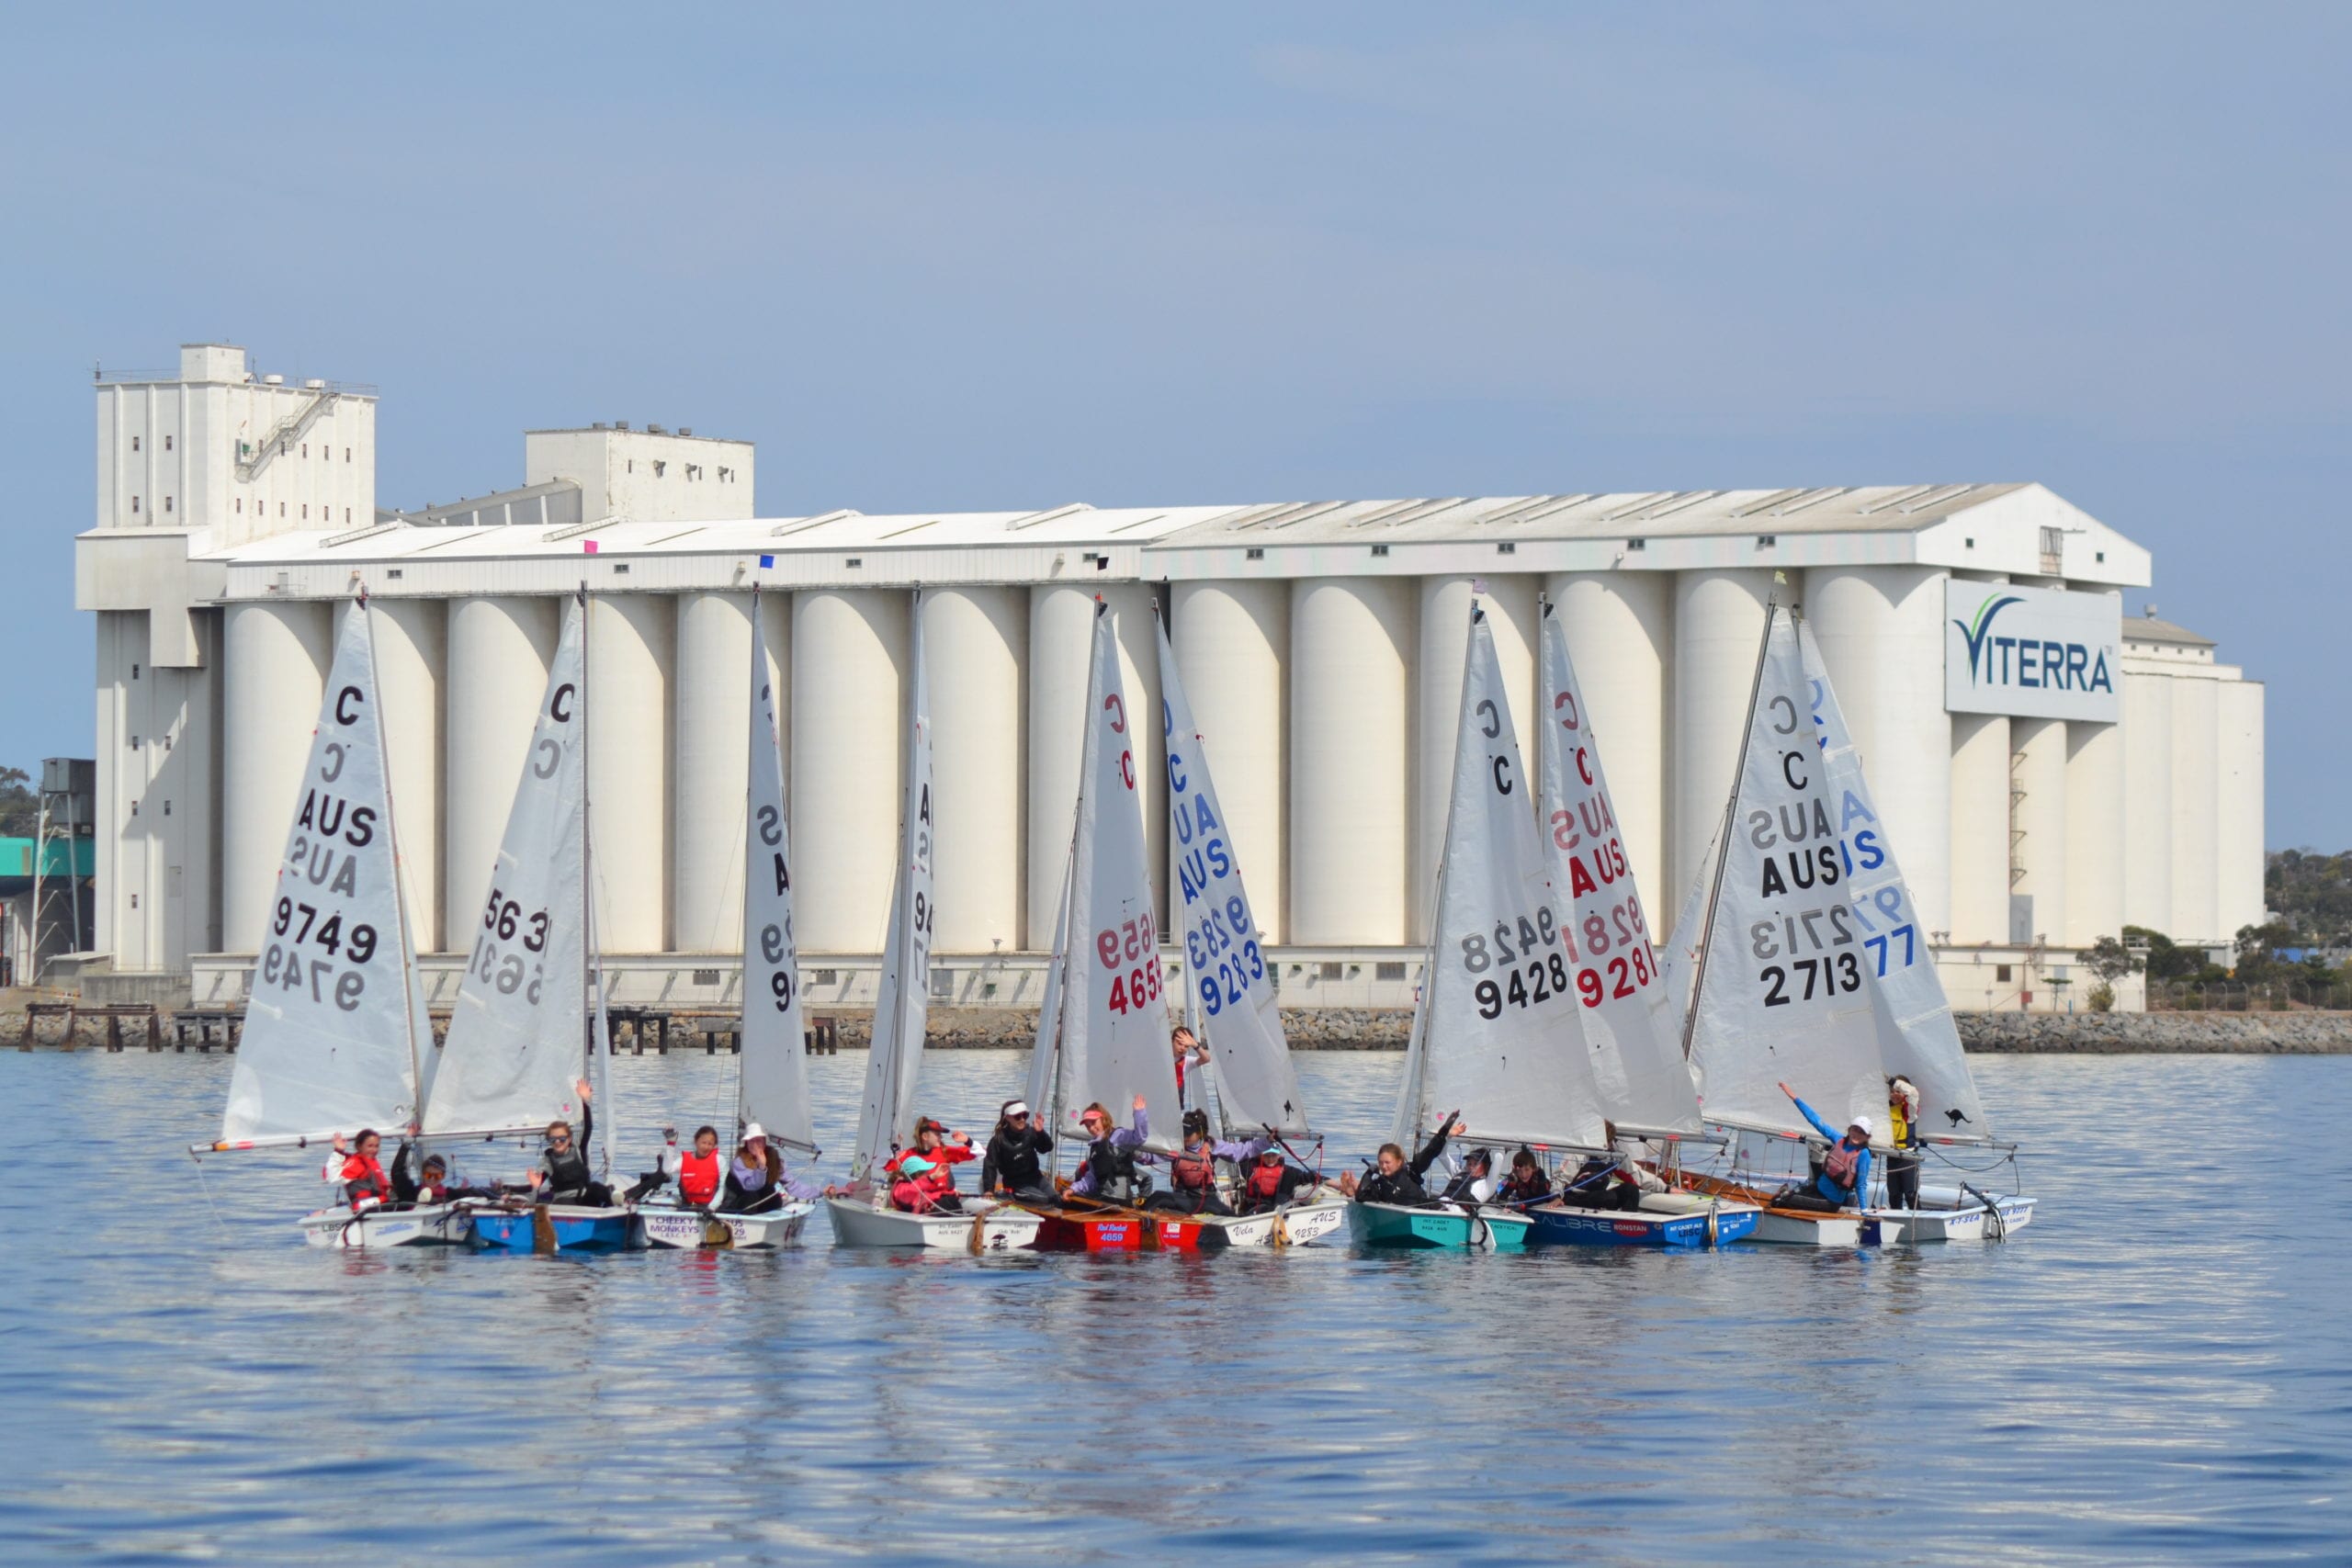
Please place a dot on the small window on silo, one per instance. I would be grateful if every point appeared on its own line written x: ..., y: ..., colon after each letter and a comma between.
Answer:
x: 134, y: 444
x: 167, y: 443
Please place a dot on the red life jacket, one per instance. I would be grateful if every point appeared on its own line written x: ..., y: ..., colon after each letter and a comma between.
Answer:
x: 366, y: 1178
x: 1840, y: 1163
x: 1266, y: 1180
x: 1196, y: 1172
x: 698, y: 1176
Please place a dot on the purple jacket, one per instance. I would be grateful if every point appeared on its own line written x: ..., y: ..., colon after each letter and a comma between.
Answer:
x: 1119, y: 1138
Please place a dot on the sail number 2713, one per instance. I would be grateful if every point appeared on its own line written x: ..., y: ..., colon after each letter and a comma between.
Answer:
x: 1132, y: 946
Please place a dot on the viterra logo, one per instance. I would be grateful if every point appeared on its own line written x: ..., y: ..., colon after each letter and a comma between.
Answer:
x: 2039, y: 662
x: 1993, y: 605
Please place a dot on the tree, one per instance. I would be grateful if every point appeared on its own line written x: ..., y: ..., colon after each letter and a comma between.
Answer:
x: 2109, y: 960
x: 2167, y: 961
x: 19, y: 807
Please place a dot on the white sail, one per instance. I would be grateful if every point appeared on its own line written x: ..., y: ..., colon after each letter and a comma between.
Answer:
x: 336, y: 1029
x: 1630, y: 1019
x: 516, y: 1044
x: 1044, y: 1055
x: 1916, y: 1035
x: 772, y: 1089
x: 1500, y: 1041
x: 1679, y: 957
x: 886, y: 1118
x: 1783, y: 996
x: 1114, y: 1017
x: 1230, y: 980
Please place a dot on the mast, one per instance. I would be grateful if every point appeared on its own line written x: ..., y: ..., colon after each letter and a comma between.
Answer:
x: 591, y: 966
x: 418, y: 1055
x: 1722, y: 834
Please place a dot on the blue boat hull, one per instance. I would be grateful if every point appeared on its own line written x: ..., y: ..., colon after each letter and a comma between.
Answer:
x: 576, y: 1230
x: 1559, y: 1226
x: 1385, y: 1225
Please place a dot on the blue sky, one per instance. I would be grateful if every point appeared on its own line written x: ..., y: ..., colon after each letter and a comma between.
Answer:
x: 1014, y: 256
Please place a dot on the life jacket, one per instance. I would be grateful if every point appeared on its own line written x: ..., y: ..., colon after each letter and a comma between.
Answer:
x: 1265, y: 1181
x: 568, y: 1171
x: 1839, y: 1164
x: 364, y: 1178
x: 1196, y: 1172
x: 1113, y: 1169
x: 1899, y: 1123
x: 698, y: 1176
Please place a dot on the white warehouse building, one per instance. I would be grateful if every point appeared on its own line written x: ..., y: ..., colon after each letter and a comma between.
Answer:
x: 2051, y: 769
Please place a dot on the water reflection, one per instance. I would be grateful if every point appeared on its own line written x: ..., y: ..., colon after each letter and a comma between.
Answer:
x: 2137, y: 1376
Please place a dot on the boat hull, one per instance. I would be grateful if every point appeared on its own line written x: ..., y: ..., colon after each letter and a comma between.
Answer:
x: 433, y: 1225
x: 1713, y: 1222
x: 1000, y: 1229
x: 1390, y: 1224
x: 1959, y: 1221
x: 736, y: 1233
x: 569, y: 1228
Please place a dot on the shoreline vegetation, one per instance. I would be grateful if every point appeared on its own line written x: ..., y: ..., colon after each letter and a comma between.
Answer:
x: 1385, y: 1029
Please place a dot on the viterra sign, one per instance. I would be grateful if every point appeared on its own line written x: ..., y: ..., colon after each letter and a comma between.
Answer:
x: 2035, y: 652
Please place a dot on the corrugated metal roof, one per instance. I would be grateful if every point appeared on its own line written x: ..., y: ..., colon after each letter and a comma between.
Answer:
x: 2147, y: 628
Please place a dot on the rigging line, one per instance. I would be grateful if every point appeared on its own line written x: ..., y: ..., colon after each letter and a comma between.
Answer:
x: 1722, y: 834
x: 206, y: 1188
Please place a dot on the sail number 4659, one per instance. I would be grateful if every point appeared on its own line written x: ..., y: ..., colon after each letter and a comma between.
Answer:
x: 1133, y: 945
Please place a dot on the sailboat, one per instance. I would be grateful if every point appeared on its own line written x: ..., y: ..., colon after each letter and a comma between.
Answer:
x: 336, y: 1037
x: 1104, y: 1038
x: 862, y: 1217
x: 1625, y: 1009
x: 1916, y: 1035
x: 526, y: 1026
x: 1229, y: 1001
x: 1778, y: 992
x: 772, y: 1076
x: 1494, y: 1035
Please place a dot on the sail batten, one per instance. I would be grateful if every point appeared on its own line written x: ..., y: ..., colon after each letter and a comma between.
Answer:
x: 1497, y: 1033
x: 335, y: 1028
x: 1629, y: 1017
x: 1783, y: 993
x: 771, y: 1086
x: 1229, y: 979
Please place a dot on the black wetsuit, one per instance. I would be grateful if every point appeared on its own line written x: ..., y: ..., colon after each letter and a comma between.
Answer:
x: 1012, y: 1162
x: 1405, y: 1188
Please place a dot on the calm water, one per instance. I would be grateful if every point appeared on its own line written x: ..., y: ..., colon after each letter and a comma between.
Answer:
x: 2134, y: 1378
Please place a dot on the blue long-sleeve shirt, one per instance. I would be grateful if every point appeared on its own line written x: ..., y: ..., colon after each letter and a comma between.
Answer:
x: 1120, y: 1138
x: 1822, y: 1184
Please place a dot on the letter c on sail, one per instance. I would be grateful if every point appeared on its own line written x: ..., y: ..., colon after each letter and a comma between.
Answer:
x: 1782, y: 705
x: 549, y: 755
x: 333, y: 770
x: 1118, y: 711
x: 347, y: 705
x: 560, y: 704
x: 1567, y: 700
x: 1486, y: 710
x: 1789, y: 771
x: 1502, y: 775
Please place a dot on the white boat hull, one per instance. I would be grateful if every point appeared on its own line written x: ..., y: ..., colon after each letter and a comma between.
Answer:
x: 435, y: 1224
x: 694, y: 1228
x: 1003, y: 1228
x: 1776, y: 1228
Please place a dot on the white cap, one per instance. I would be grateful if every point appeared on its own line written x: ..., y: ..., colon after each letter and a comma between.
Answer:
x: 753, y: 1130
x: 1869, y: 1128
x: 1018, y: 1108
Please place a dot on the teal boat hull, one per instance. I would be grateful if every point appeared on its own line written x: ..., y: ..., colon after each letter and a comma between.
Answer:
x: 1387, y: 1224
